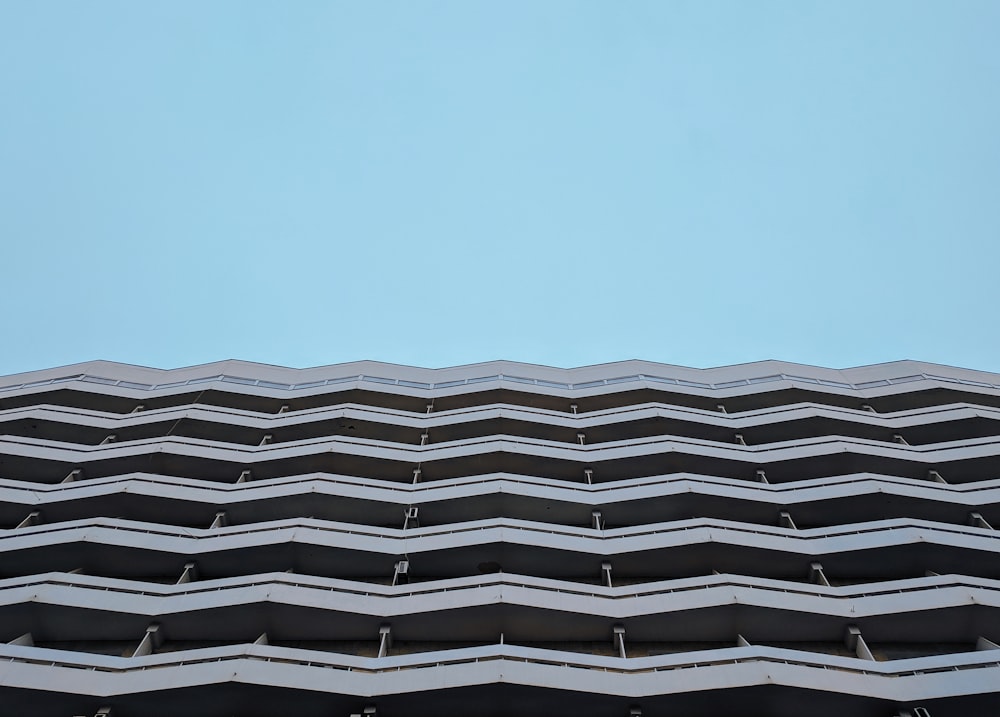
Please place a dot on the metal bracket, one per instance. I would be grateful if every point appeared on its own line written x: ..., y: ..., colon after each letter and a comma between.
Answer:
x: 385, y: 640
x: 150, y: 641
x: 618, y: 639
x: 817, y: 576
x: 189, y: 574
x: 976, y: 520
x: 785, y: 520
x: 400, y: 572
x: 854, y: 641
x: 33, y: 518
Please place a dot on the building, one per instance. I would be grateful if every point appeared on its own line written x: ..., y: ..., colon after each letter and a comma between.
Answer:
x: 500, y: 539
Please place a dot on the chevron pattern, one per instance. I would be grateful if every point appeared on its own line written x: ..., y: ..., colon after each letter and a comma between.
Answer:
x: 500, y: 539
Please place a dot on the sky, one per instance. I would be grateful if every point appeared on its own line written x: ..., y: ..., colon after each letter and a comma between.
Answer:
x: 440, y: 183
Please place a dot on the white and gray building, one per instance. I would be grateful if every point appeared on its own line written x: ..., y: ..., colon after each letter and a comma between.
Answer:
x: 500, y: 539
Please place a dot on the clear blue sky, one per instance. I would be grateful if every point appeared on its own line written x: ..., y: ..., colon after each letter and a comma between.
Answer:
x: 438, y: 183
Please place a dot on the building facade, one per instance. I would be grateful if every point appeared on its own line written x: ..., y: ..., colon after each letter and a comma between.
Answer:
x: 500, y: 539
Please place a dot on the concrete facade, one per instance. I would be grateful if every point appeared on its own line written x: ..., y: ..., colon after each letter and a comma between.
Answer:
x: 500, y: 539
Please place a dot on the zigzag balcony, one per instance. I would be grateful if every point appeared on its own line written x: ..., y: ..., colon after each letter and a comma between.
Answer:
x: 500, y: 539
x: 503, y: 676
x: 915, y: 427
x: 820, y: 502
x: 898, y: 548
x: 95, y: 614
x: 898, y: 386
x: 51, y: 462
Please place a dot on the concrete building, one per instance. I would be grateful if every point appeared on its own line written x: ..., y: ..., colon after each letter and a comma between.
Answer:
x: 500, y: 539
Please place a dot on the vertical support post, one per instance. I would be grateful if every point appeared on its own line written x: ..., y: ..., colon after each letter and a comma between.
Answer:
x: 739, y: 440
x: 606, y: 573
x: 588, y: 475
x: 416, y: 474
x: 761, y: 477
x: 596, y: 520
x: 411, y: 517
x: 581, y: 438
x: 220, y: 520
x: 400, y: 572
